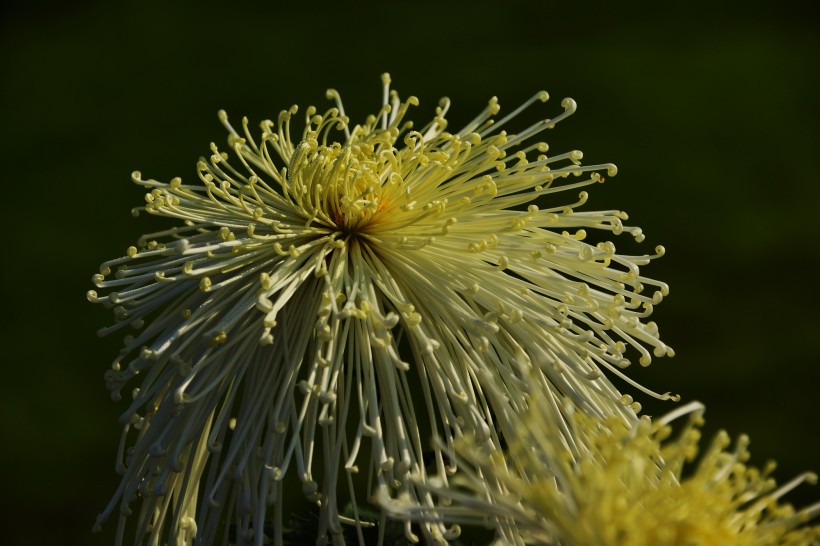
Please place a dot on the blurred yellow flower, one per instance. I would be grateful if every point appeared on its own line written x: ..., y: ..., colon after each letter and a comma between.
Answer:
x: 575, y: 480
x: 332, y: 297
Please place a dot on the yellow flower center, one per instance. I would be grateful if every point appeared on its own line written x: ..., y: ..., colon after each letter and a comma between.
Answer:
x: 345, y: 188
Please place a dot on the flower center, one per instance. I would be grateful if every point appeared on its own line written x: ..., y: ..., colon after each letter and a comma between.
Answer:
x: 343, y: 187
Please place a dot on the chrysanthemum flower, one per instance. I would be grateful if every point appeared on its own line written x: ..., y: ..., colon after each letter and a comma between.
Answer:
x: 571, y: 479
x: 330, y: 300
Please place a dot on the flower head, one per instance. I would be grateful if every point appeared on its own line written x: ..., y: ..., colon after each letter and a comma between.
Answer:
x: 577, y: 480
x: 331, y: 298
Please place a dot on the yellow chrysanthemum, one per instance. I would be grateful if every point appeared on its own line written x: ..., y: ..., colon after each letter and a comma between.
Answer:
x: 571, y: 479
x: 332, y: 299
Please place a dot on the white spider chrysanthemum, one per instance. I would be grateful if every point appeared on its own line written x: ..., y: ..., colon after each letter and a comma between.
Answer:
x: 333, y: 300
x: 571, y: 479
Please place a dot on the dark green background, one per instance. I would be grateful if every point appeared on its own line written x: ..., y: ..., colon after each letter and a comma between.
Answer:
x: 711, y: 112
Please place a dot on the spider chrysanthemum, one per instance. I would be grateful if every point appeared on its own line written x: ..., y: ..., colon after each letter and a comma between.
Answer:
x: 572, y: 479
x: 332, y: 298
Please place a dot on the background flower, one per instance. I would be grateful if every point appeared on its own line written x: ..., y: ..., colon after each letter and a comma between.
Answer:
x: 711, y: 120
x: 572, y: 479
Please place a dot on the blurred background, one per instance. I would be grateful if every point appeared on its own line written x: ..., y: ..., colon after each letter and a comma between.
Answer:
x: 711, y: 112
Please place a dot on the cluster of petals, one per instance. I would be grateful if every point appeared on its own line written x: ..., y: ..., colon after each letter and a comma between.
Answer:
x: 572, y: 479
